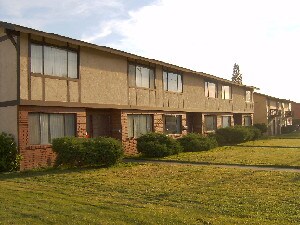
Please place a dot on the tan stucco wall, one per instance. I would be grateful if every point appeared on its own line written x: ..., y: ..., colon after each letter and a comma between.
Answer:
x: 73, y: 88
x: 55, y: 90
x: 24, y: 66
x: 260, y: 109
x: 36, y: 88
x: 8, y: 71
x: 8, y: 121
x: 103, y: 78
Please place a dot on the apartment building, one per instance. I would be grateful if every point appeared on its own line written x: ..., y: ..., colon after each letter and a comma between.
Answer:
x: 53, y: 86
x: 274, y: 112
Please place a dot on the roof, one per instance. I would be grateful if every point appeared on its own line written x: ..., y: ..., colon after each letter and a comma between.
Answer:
x: 23, y: 29
x: 274, y: 98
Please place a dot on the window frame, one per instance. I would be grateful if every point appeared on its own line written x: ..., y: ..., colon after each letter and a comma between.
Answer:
x: 251, y: 96
x: 206, y: 89
x: 223, y: 96
x: 245, y: 120
x: 178, y: 124
x: 166, y: 83
x: 64, y: 48
x: 214, y: 125
x: 49, y: 136
x: 151, y: 86
x: 230, y: 120
x: 131, y: 133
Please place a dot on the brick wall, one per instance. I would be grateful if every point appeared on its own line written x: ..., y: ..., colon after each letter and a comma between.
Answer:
x: 34, y: 156
x: 158, y: 126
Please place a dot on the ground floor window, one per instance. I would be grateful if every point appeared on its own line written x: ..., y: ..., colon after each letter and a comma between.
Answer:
x: 173, y: 124
x: 139, y: 125
x: 210, y: 123
x: 226, y: 121
x: 247, y: 121
x: 43, y: 127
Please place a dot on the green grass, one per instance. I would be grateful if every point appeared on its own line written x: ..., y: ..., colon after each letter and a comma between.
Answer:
x: 275, y: 151
x: 150, y: 194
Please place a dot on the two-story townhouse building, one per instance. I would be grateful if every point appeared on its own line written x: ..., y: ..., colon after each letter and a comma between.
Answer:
x: 274, y: 112
x: 53, y: 86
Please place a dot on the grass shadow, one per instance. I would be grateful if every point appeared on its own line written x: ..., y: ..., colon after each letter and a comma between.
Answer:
x: 266, y: 146
x: 45, y: 171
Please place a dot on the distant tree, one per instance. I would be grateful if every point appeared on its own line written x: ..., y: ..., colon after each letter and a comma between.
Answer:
x: 237, y: 77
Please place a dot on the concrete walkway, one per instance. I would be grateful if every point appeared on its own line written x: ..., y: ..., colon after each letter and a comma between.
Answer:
x: 237, y: 166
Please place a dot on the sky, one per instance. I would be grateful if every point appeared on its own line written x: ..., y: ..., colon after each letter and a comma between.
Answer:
x: 261, y: 36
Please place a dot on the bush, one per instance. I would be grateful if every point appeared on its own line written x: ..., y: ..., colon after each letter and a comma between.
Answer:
x: 237, y: 134
x: 73, y: 151
x: 103, y: 150
x: 9, y: 157
x: 288, y: 129
x: 262, y: 127
x: 194, y: 142
x: 157, y: 145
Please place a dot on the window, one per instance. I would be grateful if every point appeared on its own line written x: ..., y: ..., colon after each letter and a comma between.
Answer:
x: 53, y: 61
x: 210, y: 123
x: 173, y: 124
x: 139, y: 125
x: 226, y: 92
x: 248, y: 96
x: 226, y: 121
x: 247, y: 121
x: 210, y: 90
x: 139, y: 76
x: 172, y: 82
x: 44, y: 127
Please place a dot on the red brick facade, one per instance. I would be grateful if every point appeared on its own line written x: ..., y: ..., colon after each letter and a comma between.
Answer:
x: 34, y: 156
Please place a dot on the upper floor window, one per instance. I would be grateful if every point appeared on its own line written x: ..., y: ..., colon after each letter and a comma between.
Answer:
x: 140, y: 76
x: 53, y: 61
x: 172, y: 81
x: 226, y: 92
x: 248, y: 96
x: 210, y: 90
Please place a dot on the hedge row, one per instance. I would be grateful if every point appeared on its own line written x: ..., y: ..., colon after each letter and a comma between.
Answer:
x: 237, y: 134
x: 160, y: 145
x: 9, y: 157
x: 73, y: 151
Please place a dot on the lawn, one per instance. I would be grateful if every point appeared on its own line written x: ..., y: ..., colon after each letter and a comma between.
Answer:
x: 277, y: 151
x: 150, y: 194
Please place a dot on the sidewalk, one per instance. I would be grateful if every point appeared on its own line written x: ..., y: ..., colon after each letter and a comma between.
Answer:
x: 237, y: 166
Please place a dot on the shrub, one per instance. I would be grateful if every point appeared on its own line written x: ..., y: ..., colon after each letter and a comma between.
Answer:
x: 103, y: 150
x: 237, y: 134
x: 157, y: 145
x: 255, y: 133
x: 262, y: 127
x: 73, y: 151
x: 9, y: 157
x: 194, y: 142
x: 288, y: 129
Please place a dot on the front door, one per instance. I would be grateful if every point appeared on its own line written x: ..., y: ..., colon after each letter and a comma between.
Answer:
x: 99, y: 125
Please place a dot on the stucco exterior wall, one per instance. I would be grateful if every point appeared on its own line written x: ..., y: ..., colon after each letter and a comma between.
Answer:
x: 8, y: 121
x: 24, y: 61
x: 103, y: 78
x: 260, y: 109
x: 8, y: 70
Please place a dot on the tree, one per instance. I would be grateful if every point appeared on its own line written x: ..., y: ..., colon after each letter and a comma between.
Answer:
x: 236, y: 75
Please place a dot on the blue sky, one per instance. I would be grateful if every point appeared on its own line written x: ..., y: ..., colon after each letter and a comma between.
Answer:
x: 263, y: 37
